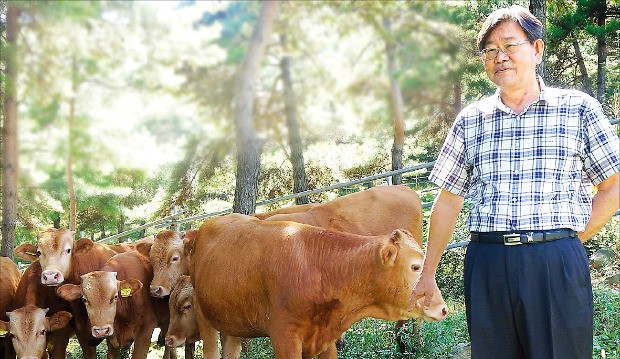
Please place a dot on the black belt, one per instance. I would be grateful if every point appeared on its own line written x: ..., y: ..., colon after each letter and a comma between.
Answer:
x: 522, y: 237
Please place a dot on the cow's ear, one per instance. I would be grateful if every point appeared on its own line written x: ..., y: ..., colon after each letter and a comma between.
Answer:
x: 144, y: 248
x: 69, y: 291
x: 129, y: 286
x: 389, y: 254
x: 189, y: 235
x: 399, y: 235
x: 58, y: 321
x: 4, y: 328
x: 26, y: 251
x: 82, y: 245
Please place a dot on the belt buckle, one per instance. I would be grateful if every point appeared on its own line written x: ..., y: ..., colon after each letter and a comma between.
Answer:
x: 513, y: 239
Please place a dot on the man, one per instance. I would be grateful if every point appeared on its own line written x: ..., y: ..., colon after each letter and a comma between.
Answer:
x: 527, y: 157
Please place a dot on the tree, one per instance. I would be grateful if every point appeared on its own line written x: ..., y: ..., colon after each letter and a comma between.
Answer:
x: 10, y: 164
x: 247, y: 142
x: 539, y: 9
x: 294, y: 138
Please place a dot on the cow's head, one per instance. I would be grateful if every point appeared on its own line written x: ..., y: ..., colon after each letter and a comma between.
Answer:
x: 54, y: 249
x: 28, y: 327
x: 183, y: 324
x: 400, y: 264
x: 168, y: 260
x: 436, y: 311
x: 100, y: 292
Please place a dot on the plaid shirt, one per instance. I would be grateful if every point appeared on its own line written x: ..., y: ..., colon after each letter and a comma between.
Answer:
x: 532, y: 171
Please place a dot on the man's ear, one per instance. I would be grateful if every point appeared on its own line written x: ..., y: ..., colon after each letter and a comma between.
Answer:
x: 69, y: 291
x: 26, y: 251
x: 539, y: 47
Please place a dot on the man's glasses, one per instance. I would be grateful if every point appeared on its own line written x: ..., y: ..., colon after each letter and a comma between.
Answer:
x: 508, y: 49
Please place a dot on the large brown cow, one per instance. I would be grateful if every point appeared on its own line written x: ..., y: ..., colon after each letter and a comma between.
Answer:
x: 302, y: 286
x: 378, y: 210
x: 28, y: 328
x: 63, y: 260
x: 119, y: 309
x: 375, y: 211
x: 9, y: 278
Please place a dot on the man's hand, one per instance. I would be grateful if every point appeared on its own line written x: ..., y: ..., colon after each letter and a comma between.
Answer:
x: 424, y: 288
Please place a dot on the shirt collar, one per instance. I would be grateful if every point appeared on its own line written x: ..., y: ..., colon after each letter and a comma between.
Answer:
x: 547, y: 94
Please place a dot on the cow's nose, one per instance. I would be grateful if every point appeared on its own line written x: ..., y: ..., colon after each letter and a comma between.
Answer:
x: 103, y: 331
x: 51, y: 277
x: 156, y: 290
x: 172, y: 341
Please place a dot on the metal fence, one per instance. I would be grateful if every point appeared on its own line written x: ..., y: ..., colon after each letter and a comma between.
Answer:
x: 177, y: 217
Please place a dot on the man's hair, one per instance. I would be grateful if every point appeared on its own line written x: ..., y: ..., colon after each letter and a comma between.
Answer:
x: 532, y: 27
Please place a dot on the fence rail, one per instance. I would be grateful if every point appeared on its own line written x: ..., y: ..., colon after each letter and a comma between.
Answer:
x: 174, y: 219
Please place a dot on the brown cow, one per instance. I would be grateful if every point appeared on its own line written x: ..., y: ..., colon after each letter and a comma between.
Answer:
x: 119, y: 309
x: 28, y: 328
x: 183, y: 326
x: 375, y: 211
x: 9, y: 278
x: 302, y: 286
x: 64, y: 260
x: 285, y: 210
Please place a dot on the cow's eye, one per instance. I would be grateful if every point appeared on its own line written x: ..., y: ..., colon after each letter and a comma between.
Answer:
x: 38, y: 253
x: 415, y: 267
x: 11, y: 336
x: 175, y: 258
x: 43, y: 332
x: 187, y: 307
x: 68, y: 251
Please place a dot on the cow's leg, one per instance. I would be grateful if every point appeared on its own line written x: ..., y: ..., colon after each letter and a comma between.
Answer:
x: 142, y: 343
x: 208, y: 334
x: 286, y: 346
x: 113, y: 352
x: 330, y: 353
x: 189, y: 350
x: 231, y: 347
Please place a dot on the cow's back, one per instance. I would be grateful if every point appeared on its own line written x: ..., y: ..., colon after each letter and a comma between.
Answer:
x: 9, y: 279
x: 375, y: 211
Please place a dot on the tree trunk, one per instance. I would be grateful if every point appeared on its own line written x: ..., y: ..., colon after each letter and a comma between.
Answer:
x: 248, y: 144
x: 602, y: 53
x: 9, y: 134
x: 397, y: 103
x: 539, y: 9
x: 294, y: 139
x: 70, y: 183
x: 585, y: 78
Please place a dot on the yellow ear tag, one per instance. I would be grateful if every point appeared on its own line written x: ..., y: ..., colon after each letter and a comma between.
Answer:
x: 126, y: 292
x: 3, y: 332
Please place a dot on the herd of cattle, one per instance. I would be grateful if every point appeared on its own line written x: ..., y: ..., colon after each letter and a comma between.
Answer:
x: 300, y: 276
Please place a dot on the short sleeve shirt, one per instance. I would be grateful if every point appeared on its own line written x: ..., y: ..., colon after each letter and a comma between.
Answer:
x: 532, y: 171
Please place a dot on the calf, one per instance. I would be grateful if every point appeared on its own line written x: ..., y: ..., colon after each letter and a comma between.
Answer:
x: 183, y: 326
x: 28, y: 328
x: 9, y: 278
x: 117, y: 306
x: 302, y: 286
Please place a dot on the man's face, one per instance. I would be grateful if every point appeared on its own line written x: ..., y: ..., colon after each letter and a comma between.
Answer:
x: 518, y: 70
